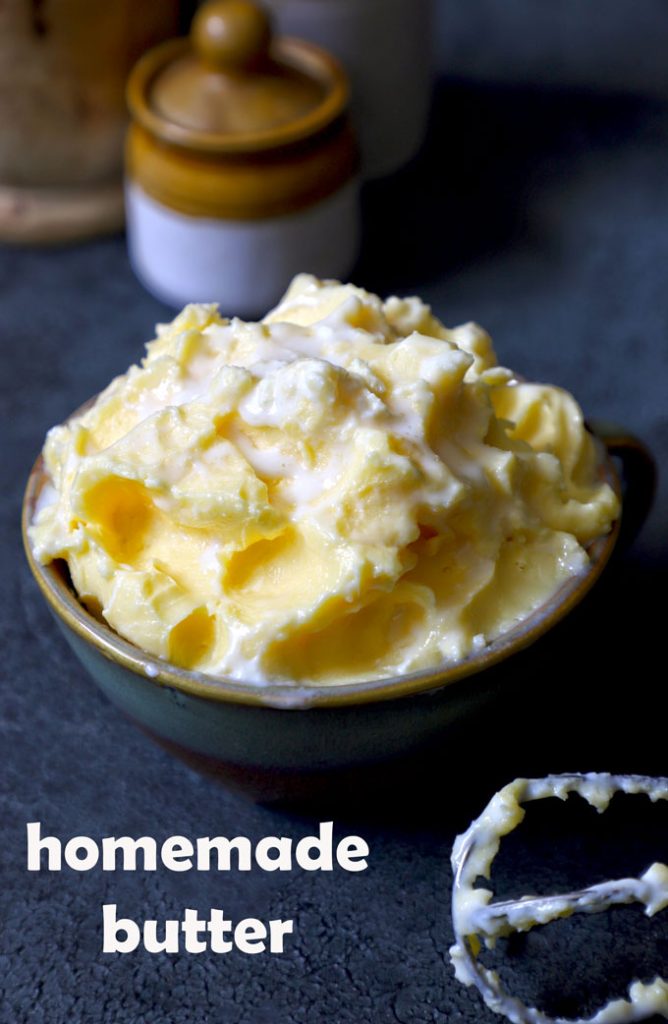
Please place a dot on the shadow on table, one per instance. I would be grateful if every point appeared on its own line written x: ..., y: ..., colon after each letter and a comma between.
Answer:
x: 469, y: 194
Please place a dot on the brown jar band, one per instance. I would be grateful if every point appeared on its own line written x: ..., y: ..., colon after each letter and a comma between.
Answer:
x: 244, y: 187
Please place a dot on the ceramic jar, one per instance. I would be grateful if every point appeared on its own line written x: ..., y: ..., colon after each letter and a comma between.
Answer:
x: 385, y: 47
x: 241, y: 164
x: 63, y: 69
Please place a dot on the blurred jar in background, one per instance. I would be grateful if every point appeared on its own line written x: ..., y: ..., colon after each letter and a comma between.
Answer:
x: 385, y: 47
x: 242, y: 167
x: 63, y: 67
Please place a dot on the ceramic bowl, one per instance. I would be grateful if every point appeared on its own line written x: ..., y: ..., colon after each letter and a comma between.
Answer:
x: 274, y: 740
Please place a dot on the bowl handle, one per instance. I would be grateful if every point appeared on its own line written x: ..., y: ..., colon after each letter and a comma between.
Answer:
x: 638, y: 476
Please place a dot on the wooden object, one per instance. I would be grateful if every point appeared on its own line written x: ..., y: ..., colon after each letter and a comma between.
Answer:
x: 63, y: 67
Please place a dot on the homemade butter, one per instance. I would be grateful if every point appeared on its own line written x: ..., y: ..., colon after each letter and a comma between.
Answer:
x: 346, y: 490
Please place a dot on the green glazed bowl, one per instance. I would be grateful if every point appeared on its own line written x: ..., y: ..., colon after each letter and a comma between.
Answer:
x: 276, y: 741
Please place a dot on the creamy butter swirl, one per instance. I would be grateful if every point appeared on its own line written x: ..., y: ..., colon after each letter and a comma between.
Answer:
x: 346, y: 490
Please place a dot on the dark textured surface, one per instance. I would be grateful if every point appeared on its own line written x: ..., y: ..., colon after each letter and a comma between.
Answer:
x: 542, y: 212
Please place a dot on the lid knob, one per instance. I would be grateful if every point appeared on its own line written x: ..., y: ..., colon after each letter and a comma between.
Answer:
x: 231, y: 35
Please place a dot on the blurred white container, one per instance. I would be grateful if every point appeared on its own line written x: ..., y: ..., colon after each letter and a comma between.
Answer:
x: 385, y: 46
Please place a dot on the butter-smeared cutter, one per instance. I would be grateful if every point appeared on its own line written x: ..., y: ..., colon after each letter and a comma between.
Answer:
x: 476, y: 919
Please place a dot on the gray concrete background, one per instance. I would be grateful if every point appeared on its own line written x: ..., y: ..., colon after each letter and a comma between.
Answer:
x: 605, y: 45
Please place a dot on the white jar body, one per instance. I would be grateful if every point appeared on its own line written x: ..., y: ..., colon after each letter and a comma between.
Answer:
x: 244, y: 265
x: 386, y: 49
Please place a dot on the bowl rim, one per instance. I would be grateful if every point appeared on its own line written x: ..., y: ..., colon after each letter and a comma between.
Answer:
x: 63, y: 602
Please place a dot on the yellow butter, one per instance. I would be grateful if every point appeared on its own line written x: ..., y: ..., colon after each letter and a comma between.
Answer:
x: 346, y: 490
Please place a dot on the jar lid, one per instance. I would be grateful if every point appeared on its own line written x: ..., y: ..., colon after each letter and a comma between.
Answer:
x: 233, y: 87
